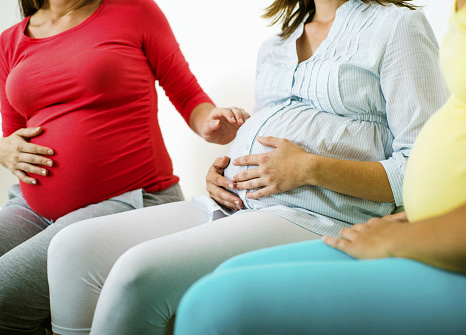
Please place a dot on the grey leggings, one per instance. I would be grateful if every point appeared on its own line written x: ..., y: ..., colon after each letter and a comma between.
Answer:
x: 147, y: 260
x: 24, y: 239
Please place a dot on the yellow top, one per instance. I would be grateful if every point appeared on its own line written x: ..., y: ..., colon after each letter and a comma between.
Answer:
x: 435, y: 180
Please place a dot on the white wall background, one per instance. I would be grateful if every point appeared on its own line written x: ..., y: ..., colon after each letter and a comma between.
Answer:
x: 220, y: 40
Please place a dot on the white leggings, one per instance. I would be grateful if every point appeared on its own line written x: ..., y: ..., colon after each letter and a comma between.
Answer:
x: 155, y: 254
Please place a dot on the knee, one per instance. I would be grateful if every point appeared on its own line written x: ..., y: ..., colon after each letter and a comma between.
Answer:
x: 142, y: 274
x: 214, y: 305
x: 129, y: 275
x: 146, y: 288
x: 69, y: 244
x: 137, y: 276
x: 71, y: 252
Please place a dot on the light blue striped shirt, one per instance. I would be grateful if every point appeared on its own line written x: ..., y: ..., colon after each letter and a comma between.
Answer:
x: 364, y: 95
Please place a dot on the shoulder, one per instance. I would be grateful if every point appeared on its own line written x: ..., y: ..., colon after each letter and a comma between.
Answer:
x: 398, y: 19
x: 143, y: 17
x: 269, y: 47
x: 148, y: 5
x: 388, y: 11
x: 270, y: 43
x: 13, y: 33
x: 413, y: 27
x: 149, y: 13
x: 132, y: 7
x: 9, y: 39
x: 395, y: 24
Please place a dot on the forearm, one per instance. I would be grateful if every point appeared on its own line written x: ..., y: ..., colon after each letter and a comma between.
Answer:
x: 366, y: 180
x: 199, y: 116
x: 439, y: 241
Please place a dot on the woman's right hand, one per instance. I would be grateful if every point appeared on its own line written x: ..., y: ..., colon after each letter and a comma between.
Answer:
x: 21, y: 157
x: 216, y: 184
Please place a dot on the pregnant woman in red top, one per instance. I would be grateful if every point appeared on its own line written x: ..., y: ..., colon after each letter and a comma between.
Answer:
x: 80, y: 127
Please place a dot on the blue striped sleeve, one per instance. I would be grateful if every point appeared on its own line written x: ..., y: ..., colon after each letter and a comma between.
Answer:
x: 411, y: 83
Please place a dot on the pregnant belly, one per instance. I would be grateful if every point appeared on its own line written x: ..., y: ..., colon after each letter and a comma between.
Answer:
x: 435, y: 179
x: 322, y: 134
x: 319, y: 133
x: 91, y: 164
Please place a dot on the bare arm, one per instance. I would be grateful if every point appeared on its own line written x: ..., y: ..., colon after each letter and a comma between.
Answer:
x: 289, y: 166
x: 199, y: 115
x: 367, y: 180
x: 438, y: 241
x: 217, y: 125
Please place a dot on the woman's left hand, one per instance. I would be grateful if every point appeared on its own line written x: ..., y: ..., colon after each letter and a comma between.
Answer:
x: 374, y: 239
x: 283, y: 169
x: 221, y: 124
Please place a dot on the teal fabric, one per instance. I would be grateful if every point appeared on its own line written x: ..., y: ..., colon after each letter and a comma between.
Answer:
x: 310, y: 288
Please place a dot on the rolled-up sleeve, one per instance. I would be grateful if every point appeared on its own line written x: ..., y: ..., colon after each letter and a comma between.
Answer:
x: 413, y: 88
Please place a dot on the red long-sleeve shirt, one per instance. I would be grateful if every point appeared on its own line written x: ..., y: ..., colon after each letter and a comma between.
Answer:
x: 92, y: 90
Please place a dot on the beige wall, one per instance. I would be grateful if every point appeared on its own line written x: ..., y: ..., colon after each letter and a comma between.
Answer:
x: 220, y: 39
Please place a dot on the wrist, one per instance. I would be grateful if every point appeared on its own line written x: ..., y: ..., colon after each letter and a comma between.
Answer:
x: 311, y: 165
x: 199, y: 116
x: 398, y: 240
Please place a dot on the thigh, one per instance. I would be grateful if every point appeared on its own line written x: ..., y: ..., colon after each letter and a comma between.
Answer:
x: 24, y: 302
x: 155, y: 274
x: 18, y: 222
x: 389, y: 296
x: 128, y: 201
x: 77, y: 275
x: 296, y: 252
x: 24, y: 291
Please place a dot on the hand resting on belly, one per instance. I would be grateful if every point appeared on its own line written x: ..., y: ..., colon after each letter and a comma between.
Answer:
x: 21, y: 157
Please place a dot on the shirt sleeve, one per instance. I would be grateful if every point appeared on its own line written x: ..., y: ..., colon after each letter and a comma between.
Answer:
x: 11, y: 119
x: 413, y: 87
x: 167, y: 62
